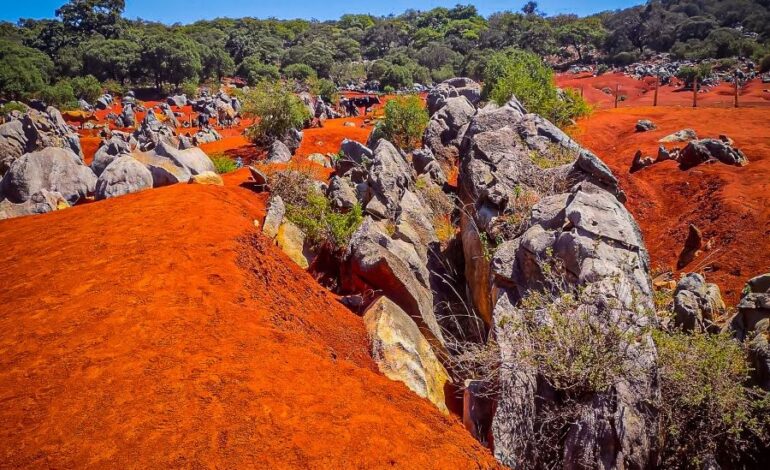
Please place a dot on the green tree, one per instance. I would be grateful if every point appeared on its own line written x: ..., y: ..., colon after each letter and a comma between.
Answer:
x: 23, y: 71
x: 87, y: 17
x: 111, y: 58
x: 254, y: 70
x: 171, y: 58
x: 216, y: 62
x: 277, y: 111
x: 405, y: 121
x: 87, y: 88
x: 580, y: 34
x: 301, y: 72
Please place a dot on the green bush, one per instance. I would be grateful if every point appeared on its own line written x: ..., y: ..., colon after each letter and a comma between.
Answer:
x: 60, y: 95
x: 326, y: 89
x: 688, y: 74
x: 87, y: 88
x: 12, y: 106
x: 189, y: 88
x: 277, y: 110
x: 255, y: 71
x: 223, y: 164
x: 301, y: 72
x: 114, y: 87
x: 322, y: 225
x: 706, y: 408
x: 764, y: 64
x: 405, y: 121
x: 525, y: 76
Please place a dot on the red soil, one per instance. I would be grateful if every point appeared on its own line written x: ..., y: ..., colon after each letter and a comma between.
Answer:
x: 730, y: 205
x: 640, y: 92
x: 174, y: 335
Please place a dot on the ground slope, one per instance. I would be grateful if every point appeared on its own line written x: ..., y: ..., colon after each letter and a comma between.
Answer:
x: 730, y: 205
x: 160, y: 329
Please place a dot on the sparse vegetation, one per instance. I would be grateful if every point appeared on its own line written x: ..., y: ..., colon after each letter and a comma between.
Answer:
x: 524, y: 75
x: 276, y: 109
x: 708, y: 410
x: 223, y: 164
x: 405, y: 121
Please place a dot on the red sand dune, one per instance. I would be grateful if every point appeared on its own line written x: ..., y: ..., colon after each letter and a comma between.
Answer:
x: 160, y: 329
x: 730, y: 205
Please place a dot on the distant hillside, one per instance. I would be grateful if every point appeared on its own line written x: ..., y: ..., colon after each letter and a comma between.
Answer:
x: 92, y: 38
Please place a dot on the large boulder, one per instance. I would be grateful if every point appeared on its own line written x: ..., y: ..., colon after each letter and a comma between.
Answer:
x: 279, y: 153
x: 697, y: 304
x: 753, y: 307
x: 165, y: 171
x: 194, y: 159
x: 446, y: 128
x: 124, y: 175
x: 52, y: 169
x: 454, y: 87
x: 394, y: 268
x: 402, y: 353
x: 177, y: 100
x: 108, y: 152
x: 389, y: 177
x: 704, y: 150
x: 39, y: 203
x: 276, y: 210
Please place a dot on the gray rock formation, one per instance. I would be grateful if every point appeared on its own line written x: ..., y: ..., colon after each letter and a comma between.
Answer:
x: 52, y: 169
x: 697, y: 304
x: 704, y: 150
x: 39, y: 203
x: 578, y: 237
x: 279, y: 153
x: 447, y: 127
x: 452, y: 88
x: 124, y: 175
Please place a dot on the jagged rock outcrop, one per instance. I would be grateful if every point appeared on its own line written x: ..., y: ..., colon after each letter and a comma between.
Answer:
x: 578, y: 235
x: 403, y: 354
x: 52, y: 169
x: 454, y: 87
x: 447, y: 126
x: 389, y: 177
x: 124, y: 175
x: 697, y: 304
x: 109, y: 151
x: 704, y: 150
x: 35, y: 130
x: 276, y: 210
x: 753, y: 307
x: 396, y: 269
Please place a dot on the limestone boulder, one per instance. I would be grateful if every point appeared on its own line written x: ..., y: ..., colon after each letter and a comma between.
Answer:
x: 697, y: 304
x: 124, y: 175
x: 52, y: 169
x: 278, y: 153
x: 209, y: 178
x: 276, y: 210
x: 403, y: 354
x: 39, y: 203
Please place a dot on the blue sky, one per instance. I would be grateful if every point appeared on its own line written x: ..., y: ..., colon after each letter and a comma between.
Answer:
x: 185, y: 11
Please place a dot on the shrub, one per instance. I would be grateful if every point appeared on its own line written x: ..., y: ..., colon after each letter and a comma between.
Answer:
x: 277, y: 110
x: 706, y: 407
x: 688, y: 74
x: 12, y: 106
x: 301, y: 72
x: 524, y: 75
x: 601, y: 69
x: 87, y: 88
x: 323, y: 226
x: 255, y: 71
x: 405, y: 121
x: 326, y: 89
x: 114, y: 87
x: 223, y: 164
x: 59, y: 95
x: 292, y: 184
x: 189, y: 88
x: 764, y: 64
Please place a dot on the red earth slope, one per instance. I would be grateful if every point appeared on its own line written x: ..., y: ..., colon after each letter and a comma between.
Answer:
x: 730, y: 205
x: 160, y: 329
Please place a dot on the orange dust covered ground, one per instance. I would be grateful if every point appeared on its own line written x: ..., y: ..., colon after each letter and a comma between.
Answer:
x: 160, y: 329
x: 730, y: 205
x: 641, y: 92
